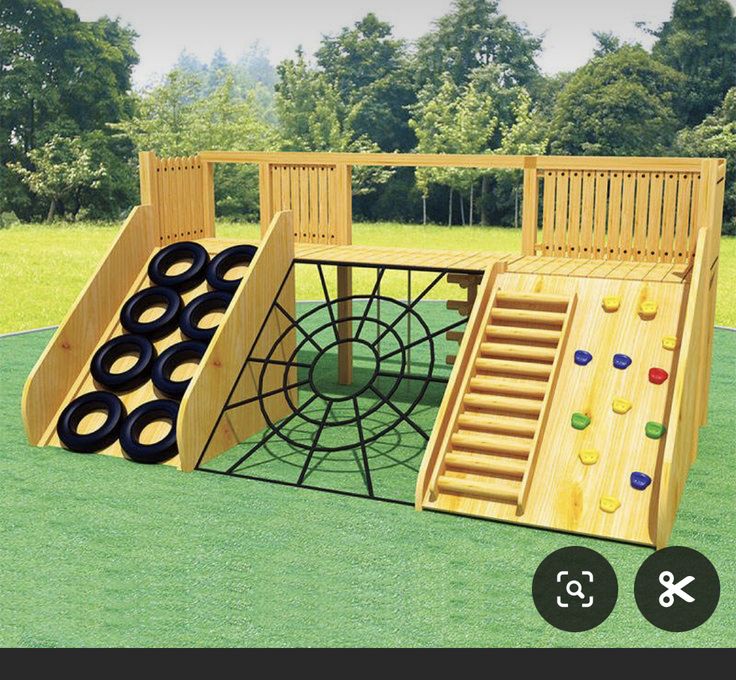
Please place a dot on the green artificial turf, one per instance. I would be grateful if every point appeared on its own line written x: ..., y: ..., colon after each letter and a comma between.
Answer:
x: 99, y: 551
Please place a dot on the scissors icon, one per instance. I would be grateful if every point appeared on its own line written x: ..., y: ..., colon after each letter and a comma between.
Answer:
x: 667, y: 598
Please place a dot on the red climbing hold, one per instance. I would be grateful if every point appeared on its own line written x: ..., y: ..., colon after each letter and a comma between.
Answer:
x: 658, y: 375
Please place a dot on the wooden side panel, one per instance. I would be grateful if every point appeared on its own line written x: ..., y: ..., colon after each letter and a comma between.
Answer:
x: 78, y: 334
x: 682, y: 437
x: 530, y: 207
x: 215, y: 378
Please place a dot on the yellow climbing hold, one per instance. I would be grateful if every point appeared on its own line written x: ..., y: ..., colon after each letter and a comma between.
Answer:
x: 621, y: 405
x: 648, y: 309
x: 589, y: 456
x: 610, y: 504
x: 611, y: 303
x: 669, y: 342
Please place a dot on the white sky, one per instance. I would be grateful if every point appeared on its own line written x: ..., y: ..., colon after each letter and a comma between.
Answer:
x: 166, y: 27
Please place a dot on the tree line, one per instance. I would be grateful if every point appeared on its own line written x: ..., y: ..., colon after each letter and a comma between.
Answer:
x: 71, y: 122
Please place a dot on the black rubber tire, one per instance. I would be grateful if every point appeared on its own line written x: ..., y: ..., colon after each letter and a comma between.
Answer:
x: 197, y: 309
x: 168, y: 361
x: 111, y: 351
x: 102, y: 437
x: 143, y: 300
x: 134, y: 424
x: 224, y: 262
x: 179, y: 252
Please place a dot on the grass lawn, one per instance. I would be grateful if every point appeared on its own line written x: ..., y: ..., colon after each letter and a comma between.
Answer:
x: 98, y: 551
x: 43, y: 268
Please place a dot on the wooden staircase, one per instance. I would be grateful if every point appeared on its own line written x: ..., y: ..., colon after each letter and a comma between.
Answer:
x: 488, y: 443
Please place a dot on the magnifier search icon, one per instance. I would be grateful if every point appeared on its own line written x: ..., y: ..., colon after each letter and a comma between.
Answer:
x: 575, y: 589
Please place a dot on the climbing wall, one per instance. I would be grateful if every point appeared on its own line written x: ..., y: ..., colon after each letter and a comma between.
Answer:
x: 607, y: 413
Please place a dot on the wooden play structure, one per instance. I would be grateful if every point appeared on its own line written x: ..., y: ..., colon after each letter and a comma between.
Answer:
x: 579, y: 383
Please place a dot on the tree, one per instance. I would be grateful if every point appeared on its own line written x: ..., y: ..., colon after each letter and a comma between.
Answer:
x: 699, y: 40
x: 58, y: 76
x: 716, y: 137
x: 619, y: 104
x: 172, y: 120
x: 369, y: 70
x: 312, y: 117
x: 606, y: 43
x: 62, y: 169
x: 475, y: 34
x: 454, y: 120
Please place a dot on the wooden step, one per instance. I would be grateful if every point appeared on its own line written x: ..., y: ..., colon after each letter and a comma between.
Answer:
x: 487, y: 402
x: 491, y: 490
x: 529, y: 299
x: 521, y: 427
x: 526, y: 334
x: 503, y: 351
x: 527, y: 316
x: 484, y: 464
x: 472, y: 441
x: 464, y: 280
x: 507, y: 367
x: 455, y: 336
x: 533, y: 389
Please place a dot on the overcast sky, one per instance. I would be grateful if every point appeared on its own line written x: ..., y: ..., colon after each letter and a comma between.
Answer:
x: 166, y: 27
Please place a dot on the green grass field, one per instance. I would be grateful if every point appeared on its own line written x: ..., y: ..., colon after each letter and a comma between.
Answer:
x: 43, y: 268
x: 97, y: 551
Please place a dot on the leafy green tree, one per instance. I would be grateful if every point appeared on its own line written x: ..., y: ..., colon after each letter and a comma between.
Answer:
x: 454, y: 120
x: 699, y: 40
x: 58, y: 76
x: 313, y: 117
x: 716, y: 137
x: 62, y: 169
x: 172, y: 120
x: 369, y: 70
x: 619, y: 104
x: 475, y: 34
x: 606, y: 43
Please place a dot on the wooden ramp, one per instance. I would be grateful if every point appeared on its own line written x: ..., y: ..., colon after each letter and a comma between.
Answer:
x: 504, y: 446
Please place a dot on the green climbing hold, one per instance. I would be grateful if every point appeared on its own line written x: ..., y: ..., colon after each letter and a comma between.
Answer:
x: 654, y: 430
x: 580, y: 421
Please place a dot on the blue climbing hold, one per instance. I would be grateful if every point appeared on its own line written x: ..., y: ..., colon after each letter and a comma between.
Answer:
x: 583, y: 358
x: 621, y: 361
x: 640, y: 481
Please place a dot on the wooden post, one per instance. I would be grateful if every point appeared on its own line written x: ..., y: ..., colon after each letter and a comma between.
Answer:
x: 530, y: 206
x: 264, y: 195
x: 344, y: 236
x: 208, y: 198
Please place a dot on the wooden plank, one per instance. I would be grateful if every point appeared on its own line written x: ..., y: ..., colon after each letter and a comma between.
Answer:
x: 548, y: 212
x: 70, y: 349
x: 586, y: 219
x: 559, y: 237
x: 574, y: 213
x: 323, y: 218
x: 615, y: 183
x: 669, y: 214
x: 642, y: 216
x: 682, y: 222
x: 654, y: 226
x: 215, y: 377
x: 530, y: 207
x: 601, y: 215
x: 628, y: 210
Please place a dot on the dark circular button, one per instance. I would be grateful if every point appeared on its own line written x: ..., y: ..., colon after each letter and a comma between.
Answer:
x: 224, y: 262
x: 143, y: 300
x: 197, y: 309
x: 105, y: 357
x: 138, y: 420
x: 68, y: 423
x: 167, y: 363
x: 185, y: 251
x: 575, y: 589
x: 677, y: 589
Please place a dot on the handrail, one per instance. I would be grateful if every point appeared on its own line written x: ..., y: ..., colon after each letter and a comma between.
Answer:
x: 490, y: 161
